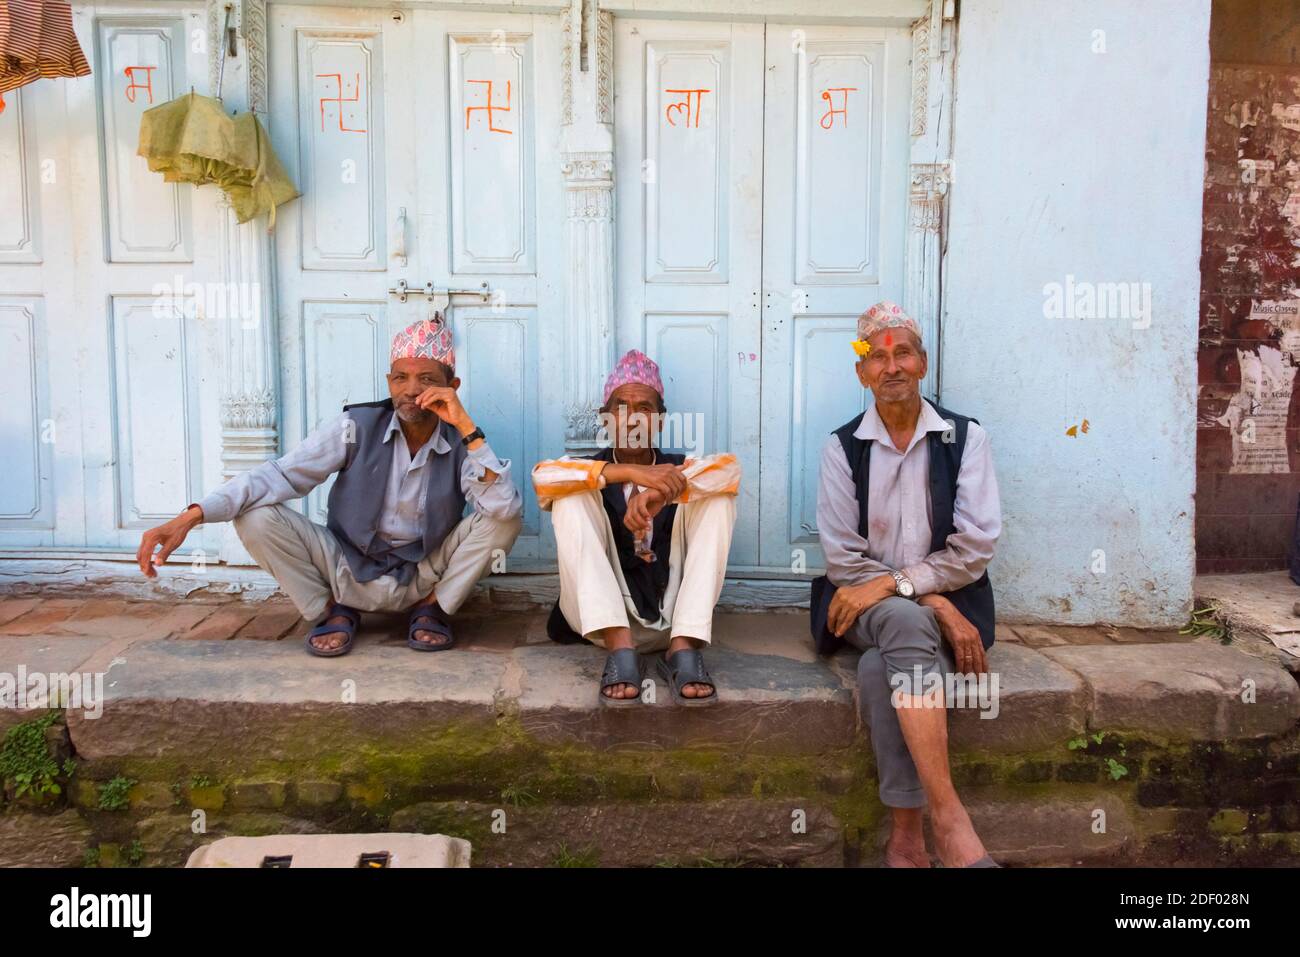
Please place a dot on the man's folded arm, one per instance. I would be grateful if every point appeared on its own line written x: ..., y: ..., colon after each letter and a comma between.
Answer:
x: 556, y: 478
x: 710, y: 475
x: 847, y: 562
x: 293, y: 475
x: 486, y: 483
x: 977, y: 523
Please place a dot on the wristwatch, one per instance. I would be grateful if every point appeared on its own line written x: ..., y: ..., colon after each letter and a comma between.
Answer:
x: 476, y: 434
x: 903, y: 586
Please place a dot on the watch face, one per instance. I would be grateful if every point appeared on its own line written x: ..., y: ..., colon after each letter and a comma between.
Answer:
x: 905, y: 588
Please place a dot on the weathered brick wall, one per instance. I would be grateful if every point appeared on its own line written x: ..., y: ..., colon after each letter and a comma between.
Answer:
x: 1247, y: 485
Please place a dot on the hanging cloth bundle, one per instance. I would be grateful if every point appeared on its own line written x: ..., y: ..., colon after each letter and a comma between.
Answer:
x: 192, y: 139
x: 37, y: 40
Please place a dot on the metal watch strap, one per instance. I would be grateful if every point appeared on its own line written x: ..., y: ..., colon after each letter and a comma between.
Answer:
x: 899, y: 578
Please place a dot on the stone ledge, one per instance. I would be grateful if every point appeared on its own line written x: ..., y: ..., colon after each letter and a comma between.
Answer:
x: 1183, y: 692
x: 776, y: 696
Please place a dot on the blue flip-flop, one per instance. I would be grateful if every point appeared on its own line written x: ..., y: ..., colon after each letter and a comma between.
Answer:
x: 349, y: 630
x: 424, y: 619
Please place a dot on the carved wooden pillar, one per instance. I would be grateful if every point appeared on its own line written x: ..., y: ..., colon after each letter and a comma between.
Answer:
x: 929, y: 177
x: 249, y: 388
x: 588, y: 169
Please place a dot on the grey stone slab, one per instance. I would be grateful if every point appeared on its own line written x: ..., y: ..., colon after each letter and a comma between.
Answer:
x: 1039, y: 704
x: 1184, y: 692
x: 265, y: 699
x: 1055, y: 829
x: 43, y: 840
x: 767, y: 704
x: 44, y: 655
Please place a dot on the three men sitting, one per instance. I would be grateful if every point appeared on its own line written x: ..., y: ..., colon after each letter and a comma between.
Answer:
x: 908, y: 516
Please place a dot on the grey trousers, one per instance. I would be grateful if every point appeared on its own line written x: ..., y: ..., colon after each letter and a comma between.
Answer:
x: 895, y: 635
x: 305, y: 558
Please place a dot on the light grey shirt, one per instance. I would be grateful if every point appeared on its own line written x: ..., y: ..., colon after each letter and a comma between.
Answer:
x: 324, y: 452
x: 898, y: 502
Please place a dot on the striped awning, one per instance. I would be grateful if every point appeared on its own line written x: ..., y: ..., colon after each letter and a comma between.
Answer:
x: 36, y: 40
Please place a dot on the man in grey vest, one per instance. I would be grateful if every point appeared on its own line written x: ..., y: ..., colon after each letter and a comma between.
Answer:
x: 395, y: 538
x: 908, y: 515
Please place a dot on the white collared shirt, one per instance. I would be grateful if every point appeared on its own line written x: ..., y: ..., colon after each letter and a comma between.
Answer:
x: 898, y: 497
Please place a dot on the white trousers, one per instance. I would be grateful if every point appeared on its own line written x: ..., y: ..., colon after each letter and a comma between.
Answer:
x: 594, y: 593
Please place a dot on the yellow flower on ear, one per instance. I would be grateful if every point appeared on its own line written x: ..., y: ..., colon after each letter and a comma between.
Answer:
x: 861, y: 346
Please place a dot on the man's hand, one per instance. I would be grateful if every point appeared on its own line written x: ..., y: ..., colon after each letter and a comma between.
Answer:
x: 641, y: 511
x: 961, y: 635
x: 851, y: 601
x: 443, y: 402
x: 667, y: 480
x: 170, y: 536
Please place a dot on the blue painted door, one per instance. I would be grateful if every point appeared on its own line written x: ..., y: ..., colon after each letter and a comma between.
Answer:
x: 423, y: 143
x: 835, y: 189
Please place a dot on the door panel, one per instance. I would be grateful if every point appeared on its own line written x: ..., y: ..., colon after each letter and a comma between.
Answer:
x: 689, y: 177
x: 835, y: 166
x: 417, y: 146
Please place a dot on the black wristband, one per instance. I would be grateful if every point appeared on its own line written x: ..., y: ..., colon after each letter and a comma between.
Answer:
x: 476, y: 434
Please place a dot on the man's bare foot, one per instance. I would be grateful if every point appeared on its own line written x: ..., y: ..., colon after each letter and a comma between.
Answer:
x: 334, y: 639
x: 906, y: 844
x: 955, y: 838
x: 905, y: 852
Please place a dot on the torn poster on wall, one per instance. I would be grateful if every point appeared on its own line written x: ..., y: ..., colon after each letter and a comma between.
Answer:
x: 1257, y: 414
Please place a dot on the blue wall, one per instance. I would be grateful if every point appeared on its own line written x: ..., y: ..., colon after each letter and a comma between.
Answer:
x: 1071, y: 162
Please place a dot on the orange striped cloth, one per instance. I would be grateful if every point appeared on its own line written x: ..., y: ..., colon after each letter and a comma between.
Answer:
x: 710, y: 475
x: 37, y: 40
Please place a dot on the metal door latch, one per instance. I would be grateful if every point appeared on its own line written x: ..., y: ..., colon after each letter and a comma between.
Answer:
x: 404, y: 289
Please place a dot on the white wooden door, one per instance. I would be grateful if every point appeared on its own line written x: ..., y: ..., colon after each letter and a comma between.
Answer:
x: 689, y: 149
x: 834, y: 236
x: 423, y: 142
x: 107, y: 407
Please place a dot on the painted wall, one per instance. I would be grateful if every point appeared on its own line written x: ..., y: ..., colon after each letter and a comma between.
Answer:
x: 1076, y: 166
x: 1248, y: 436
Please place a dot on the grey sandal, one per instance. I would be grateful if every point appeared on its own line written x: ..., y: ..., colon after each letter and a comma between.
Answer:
x: 622, y: 667
x: 685, y: 667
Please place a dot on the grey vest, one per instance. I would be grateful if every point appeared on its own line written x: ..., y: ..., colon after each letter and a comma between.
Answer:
x: 356, y: 501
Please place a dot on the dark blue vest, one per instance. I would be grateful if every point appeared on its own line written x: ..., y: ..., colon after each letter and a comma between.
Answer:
x: 975, y: 600
x: 356, y: 501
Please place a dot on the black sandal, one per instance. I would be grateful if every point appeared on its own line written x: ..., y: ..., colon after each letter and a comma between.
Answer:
x: 349, y: 630
x: 622, y: 667
x: 424, y: 618
x: 685, y: 667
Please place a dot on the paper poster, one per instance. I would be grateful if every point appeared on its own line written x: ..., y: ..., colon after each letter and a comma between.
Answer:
x: 1257, y: 414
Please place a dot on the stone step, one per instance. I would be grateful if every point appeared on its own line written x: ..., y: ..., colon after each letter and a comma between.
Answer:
x: 262, y: 738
